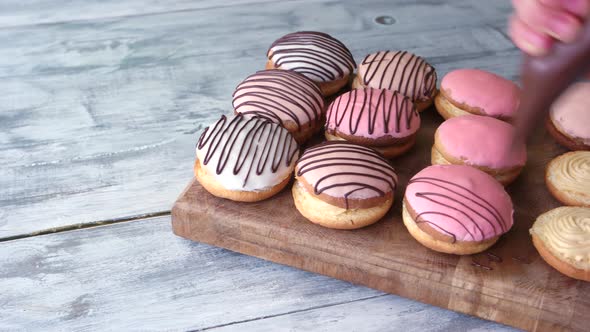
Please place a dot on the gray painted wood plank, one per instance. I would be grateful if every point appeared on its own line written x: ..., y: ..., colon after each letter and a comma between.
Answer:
x: 17, y: 12
x: 98, y: 120
x: 386, y: 313
x: 139, y: 276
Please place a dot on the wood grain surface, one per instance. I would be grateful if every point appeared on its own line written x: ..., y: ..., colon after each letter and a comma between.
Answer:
x: 99, y: 117
x: 521, y: 290
x: 138, y: 276
x: 100, y: 108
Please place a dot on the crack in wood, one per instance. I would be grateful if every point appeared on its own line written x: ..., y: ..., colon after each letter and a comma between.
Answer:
x: 287, y: 313
x: 86, y: 225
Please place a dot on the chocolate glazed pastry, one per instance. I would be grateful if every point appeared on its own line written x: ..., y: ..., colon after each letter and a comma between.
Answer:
x: 399, y: 71
x: 544, y: 78
x: 245, y: 159
x: 285, y: 97
x: 316, y: 55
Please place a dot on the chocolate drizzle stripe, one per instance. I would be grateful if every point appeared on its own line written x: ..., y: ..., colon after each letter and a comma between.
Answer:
x: 351, y: 164
x: 495, y: 219
x: 417, y: 86
x: 242, y: 137
x: 314, y: 54
x: 269, y: 94
x: 309, y: 167
x: 418, y: 221
x: 399, y: 106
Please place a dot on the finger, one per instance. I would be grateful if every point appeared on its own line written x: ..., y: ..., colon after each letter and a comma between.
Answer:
x: 580, y: 8
x: 557, y: 23
x: 527, y: 39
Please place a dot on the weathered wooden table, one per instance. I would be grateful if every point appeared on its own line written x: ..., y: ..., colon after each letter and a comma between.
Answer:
x: 101, y: 103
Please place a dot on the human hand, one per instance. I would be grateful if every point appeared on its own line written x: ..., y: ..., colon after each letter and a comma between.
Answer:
x: 537, y: 24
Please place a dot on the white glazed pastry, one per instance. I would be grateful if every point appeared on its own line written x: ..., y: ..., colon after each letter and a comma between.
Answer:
x: 245, y: 158
x: 317, y: 55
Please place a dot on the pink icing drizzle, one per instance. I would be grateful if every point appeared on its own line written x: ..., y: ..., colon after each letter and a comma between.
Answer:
x: 571, y: 114
x: 460, y: 201
x: 481, y: 141
x: 373, y: 113
x: 494, y: 95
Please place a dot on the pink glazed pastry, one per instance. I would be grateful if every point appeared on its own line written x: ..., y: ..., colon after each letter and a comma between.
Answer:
x: 481, y: 142
x: 474, y: 91
x: 381, y: 119
x: 569, y: 118
x: 456, y: 209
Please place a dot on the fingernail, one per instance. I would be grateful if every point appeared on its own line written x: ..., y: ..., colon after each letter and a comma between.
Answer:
x: 533, y: 49
x: 564, y: 28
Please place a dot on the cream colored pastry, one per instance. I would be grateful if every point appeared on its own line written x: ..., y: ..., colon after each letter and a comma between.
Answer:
x: 568, y: 178
x: 562, y: 237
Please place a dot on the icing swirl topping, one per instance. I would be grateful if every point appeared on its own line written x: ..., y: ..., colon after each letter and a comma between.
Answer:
x: 372, y: 113
x: 280, y: 96
x: 400, y: 71
x: 460, y: 201
x: 571, y: 172
x: 316, y: 55
x: 344, y: 170
x: 566, y: 233
x: 247, y: 154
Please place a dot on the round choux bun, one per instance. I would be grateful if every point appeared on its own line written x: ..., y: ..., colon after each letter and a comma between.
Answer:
x: 481, y: 142
x: 285, y: 97
x: 568, y: 178
x: 317, y: 55
x: 216, y: 189
x: 343, y: 185
x: 562, y: 237
x: 569, y: 118
x: 378, y: 118
x: 456, y: 209
x: 245, y: 159
x: 399, y: 71
x: 474, y: 91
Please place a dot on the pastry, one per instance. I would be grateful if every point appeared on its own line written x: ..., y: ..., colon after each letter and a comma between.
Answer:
x: 456, y: 209
x: 568, y: 178
x: 481, y: 142
x: 285, y: 97
x: 245, y: 159
x: 343, y: 185
x: 562, y: 238
x: 317, y: 55
x: 569, y: 118
x: 399, y: 71
x: 384, y: 120
x: 474, y: 91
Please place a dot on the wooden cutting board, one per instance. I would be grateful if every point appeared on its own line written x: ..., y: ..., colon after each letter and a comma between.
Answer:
x: 509, y: 283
